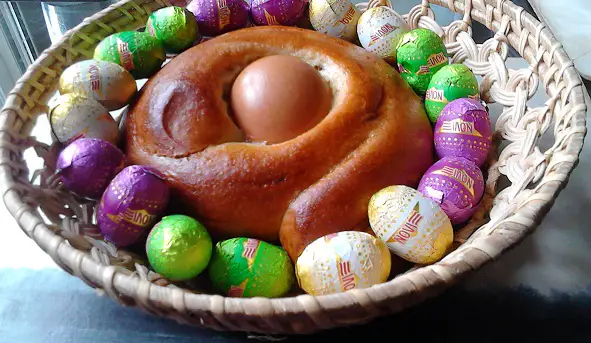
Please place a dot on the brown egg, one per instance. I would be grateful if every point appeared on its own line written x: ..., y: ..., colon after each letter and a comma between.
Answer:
x: 277, y: 98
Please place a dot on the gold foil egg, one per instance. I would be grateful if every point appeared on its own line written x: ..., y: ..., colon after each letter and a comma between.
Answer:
x: 337, y: 18
x: 77, y: 116
x: 379, y: 30
x: 106, y: 82
x: 413, y: 226
x: 343, y: 261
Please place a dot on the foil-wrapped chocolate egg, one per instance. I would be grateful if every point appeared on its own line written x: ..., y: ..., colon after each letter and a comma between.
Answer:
x: 420, y: 54
x: 451, y: 82
x: 175, y: 27
x: 215, y: 17
x: 412, y: 225
x: 337, y: 18
x: 77, y: 116
x: 87, y: 165
x: 247, y: 267
x: 456, y: 184
x: 463, y: 129
x: 139, y: 52
x: 132, y: 203
x: 178, y: 247
x: 343, y: 261
x: 379, y: 30
x: 277, y: 12
x: 106, y: 82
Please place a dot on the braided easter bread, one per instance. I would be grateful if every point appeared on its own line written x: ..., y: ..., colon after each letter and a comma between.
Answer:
x: 375, y: 135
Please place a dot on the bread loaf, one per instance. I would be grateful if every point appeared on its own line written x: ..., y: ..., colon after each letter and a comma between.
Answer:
x: 375, y: 135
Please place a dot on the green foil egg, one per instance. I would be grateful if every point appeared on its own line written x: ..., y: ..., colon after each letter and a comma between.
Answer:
x: 451, y: 82
x: 179, y: 247
x: 139, y: 52
x: 246, y: 267
x: 175, y: 27
x: 420, y: 54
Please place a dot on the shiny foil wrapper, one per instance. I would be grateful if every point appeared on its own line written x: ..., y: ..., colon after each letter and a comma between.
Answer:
x: 108, y: 83
x: 140, y: 53
x: 451, y: 82
x: 277, y: 12
x: 247, y: 267
x: 343, y: 261
x: 132, y: 203
x: 463, y: 129
x: 179, y: 247
x: 456, y: 184
x: 78, y: 116
x: 420, y: 54
x: 379, y: 30
x: 215, y: 17
x: 87, y: 165
x: 412, y: 225
x: 175, y: 27
x: 337, y: 18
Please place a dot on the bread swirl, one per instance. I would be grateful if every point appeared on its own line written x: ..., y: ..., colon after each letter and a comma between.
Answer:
x: 375, y: 135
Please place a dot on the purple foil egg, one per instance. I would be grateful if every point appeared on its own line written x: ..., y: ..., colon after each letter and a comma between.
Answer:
x: 463, y: 129
x: 456, y: 184
x: 277, y: 12
x: 131, y: 205
x: 87, y: 165
x: 215, y: 17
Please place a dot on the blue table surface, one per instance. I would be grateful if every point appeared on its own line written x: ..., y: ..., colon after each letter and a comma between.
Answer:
x: 48, y: 305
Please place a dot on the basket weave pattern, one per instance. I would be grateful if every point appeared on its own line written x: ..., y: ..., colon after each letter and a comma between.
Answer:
x: 63, y: 227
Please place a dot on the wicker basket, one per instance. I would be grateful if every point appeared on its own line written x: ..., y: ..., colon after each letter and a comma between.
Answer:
x: 62, y: 226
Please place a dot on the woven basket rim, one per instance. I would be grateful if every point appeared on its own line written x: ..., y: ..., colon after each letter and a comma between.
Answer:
x: 120, y: 285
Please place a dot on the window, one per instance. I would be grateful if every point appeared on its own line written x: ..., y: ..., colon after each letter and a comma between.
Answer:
x: 27, y: 28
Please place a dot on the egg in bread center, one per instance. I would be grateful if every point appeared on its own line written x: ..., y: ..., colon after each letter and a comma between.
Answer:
x: 277, y: 98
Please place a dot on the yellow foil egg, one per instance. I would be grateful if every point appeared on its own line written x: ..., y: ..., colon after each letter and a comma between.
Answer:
x: 77, y: 116
x: 379, y: 30
x: 343, y: 261
x: 413, y: 226
x: 106, y: 82
x: 337, y: 18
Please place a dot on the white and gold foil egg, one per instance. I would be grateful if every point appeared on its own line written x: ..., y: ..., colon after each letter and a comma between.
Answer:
x: 78, y: 116
x: 106, y: 82
x: 343, y: 261
x: 337, y: 18
x: 413, y: 226
x: 379, y: 30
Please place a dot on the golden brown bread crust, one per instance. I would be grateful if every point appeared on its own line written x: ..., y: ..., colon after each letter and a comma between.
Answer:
x: 376, y: 135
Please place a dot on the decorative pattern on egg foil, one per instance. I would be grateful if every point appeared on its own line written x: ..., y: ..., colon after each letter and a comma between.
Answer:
x: 247, y: 267
x: 342, y: 261
x: 336, y: 18
x: 463, y: 129
x: 215, y: 17
x: 451, y: 82
x: 77, y: 116
x: 379, y: 30
x: 420, y: 54
x: 456, y: 184
x: 131, y: 204
x: 106, y: 82
x: 413, y: 226
x: 277, y: 12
